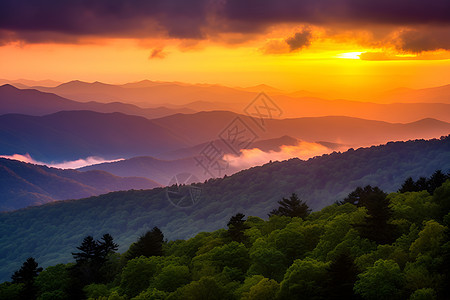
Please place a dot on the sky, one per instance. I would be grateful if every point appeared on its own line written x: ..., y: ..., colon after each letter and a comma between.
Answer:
x: 336, y: 47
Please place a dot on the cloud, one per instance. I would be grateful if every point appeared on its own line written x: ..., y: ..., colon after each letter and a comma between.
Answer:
x: 254, y: 157
x: 380, y: 56
x: 157, y: 53
x: 300, y: 40
x: 74, y: 164
x: 424, y: 39
x: 70, y: 21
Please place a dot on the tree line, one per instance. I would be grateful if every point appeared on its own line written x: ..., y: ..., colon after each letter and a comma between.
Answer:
x: 370, y: 245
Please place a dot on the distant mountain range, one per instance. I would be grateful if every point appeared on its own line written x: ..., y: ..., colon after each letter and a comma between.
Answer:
x: 24, y: 184
x: 183, y: 161
x: 401, y: 105
x: 79, y: 134
x: 71, y: 135
x: 37, y: 103
x: 51, y: 232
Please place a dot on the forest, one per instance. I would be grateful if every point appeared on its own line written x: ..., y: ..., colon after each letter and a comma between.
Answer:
x: 368, y: 245
x: 50, y: 232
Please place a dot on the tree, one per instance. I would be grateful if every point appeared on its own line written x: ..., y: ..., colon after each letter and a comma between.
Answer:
x: 205, y: 288
x: 436, y: 180
x: 88, y: 250
x: 171, y: 278
x: 376, y: 226
x: 342, y: 275
x: 265, y: 289
x: 26, y: 275
x: 107, y: 246
x: 364, y: 196
x: 236, y: 228
x: 382, y: 281
x: 89, y: 261
x: 305, y: 279
x: 292, y: 207
x: 53, y: 282
x: 408, y: 186
x: 149, y: 244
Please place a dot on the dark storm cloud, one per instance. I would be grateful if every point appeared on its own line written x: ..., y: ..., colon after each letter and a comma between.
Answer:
x: 299, y: 40
x: 425, y: 40
x: 57, y: 20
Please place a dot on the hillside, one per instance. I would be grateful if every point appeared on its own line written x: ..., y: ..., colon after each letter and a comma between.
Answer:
x: 78, y: 134
x: 50, y: 232
x: 70, y: 135
x: 37, y: 103
x: 24, y: 184
x: 382, y: 247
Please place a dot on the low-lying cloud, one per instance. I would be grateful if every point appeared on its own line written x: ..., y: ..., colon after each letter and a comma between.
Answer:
x: 74, y: 164
x: 255, y: 157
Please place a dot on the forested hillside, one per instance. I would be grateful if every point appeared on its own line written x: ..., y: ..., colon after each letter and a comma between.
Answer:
x: 370, y: 245
x: 24, y: 184
x: 50, y: 232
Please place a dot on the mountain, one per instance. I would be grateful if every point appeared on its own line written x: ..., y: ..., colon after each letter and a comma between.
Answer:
x: 52, y: 231
x: 204, y: 126
x: 37, y: 103
x: 24, y: 184
x: 26, y: 83
x: 273, y: 144
x: 163, y: 171
x: 440, y: 94
x: 199, y: 97
x: 70, y: 135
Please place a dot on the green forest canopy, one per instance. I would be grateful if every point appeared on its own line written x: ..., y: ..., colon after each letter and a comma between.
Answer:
x: 51, y: 232
x: 339, y: 252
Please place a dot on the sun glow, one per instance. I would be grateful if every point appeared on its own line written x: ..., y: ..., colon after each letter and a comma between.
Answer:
x: 350, y: 55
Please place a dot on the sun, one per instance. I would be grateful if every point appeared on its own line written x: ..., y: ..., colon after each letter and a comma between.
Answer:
x: 349, y: 55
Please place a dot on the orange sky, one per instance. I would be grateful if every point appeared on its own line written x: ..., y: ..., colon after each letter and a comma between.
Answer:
x: 343, y: 52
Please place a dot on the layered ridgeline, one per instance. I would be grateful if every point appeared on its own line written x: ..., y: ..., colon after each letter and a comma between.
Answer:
x: 71, y: 135
x: 50, y: 232
x: 25, y: 184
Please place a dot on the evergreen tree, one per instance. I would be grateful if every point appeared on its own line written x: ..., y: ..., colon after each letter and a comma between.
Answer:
x: 342, y: 275
x: 422, y: 184
x: 364, y: 196
x: 149, y: 244
x: 292, y: 207
x: 106, y: 245
x: 26, y: 275
x: 236, y: 228
x: 376, y: 226
x: 436, y: 180
x: 89, y: 250
x: 408, y: 186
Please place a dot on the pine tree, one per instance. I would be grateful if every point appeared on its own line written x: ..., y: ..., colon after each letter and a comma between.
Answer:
x: 106, y: 246
x: 408, y: 186
x: 376, y: 226
x: 26, y: 275
x: 236, y: 228
x: 362, y: 196
x: 292, y: 207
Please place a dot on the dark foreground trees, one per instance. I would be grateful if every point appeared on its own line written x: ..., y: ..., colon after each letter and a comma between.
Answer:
x: 292, y: 207
x: 26, y: 275
x: 236, y: 228
x: 325, y: 255
x: 149, y: 244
